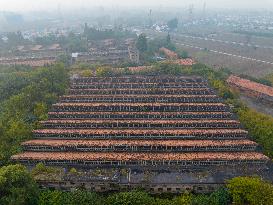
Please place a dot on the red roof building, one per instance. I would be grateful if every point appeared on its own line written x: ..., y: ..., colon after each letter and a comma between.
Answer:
x: 251, y: 88
x: 168, y: 53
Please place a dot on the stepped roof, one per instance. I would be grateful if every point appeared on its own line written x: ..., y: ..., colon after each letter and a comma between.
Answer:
x: 53, y: 137
x: 116, y: 156
x: 186, y: 143
x: 141, y: 131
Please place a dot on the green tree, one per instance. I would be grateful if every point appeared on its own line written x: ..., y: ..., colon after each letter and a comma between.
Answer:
x: 184, y: 199
x: 130, y: 198
x: 260, y: 127
x: 73, y: 171
x: 16, y: 186
x: 104, y: 71
x: 16, y: 38
x: 52, y: 198
x: 142, y: 43
x: 20, y: 112
x: 220, y: 197
x: 172, y: 24
x: 252, y: 191
x: 201, y: 199
x: 168, y: 68
x: 38, y: 169
x: 12, y: 83
x: 87, y: 73
x: 74, y: 43
x: 40, y: 110
x: 168, y: 39
x: 82, y: 197
x: 64, y: 58
x: 78, y: 197
x: 270, y: 78
x: 182, y: 53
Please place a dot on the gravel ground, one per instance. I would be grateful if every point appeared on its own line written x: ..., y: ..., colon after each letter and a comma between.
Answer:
x: 258, y: 106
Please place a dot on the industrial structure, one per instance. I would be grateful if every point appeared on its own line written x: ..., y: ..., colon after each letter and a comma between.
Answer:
x: 252, y: 89
x: 161, y: 133
x: 109, y: 52
x: 33, y: 55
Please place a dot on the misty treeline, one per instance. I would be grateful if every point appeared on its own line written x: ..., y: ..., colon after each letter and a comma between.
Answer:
x: 72, y: 42
x: 149, y: 48
x: 79, y: 42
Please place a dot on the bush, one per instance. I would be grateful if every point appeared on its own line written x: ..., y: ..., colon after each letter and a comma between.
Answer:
x: 134, y: 198
x: 168, y: 68
x: 87, y: 73
x: 104, y: 71
x: 41, y: 172
x: 73, y: 171
x: 260, y: 127
x: 17, y: 186
x: 252, y: 191
x: 184, y: 199
x: 219, y: 197
x: 21, y: 110
x: 78, y: 197
x: 182, y: 53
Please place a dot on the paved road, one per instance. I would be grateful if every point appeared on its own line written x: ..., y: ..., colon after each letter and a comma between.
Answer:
x: 222, y: 41
x: 152, y: 34
x: 224, y: 53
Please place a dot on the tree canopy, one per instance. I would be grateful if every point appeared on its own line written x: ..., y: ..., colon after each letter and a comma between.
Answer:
x: 249, y: 190
x: 17, y: 186
x: 25, y: 102
x: 141, y: 44
x: 172, y: 24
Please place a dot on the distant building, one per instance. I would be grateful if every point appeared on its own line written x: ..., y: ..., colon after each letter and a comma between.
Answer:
x: 5, y: 39
x: 160, y: 133
x: 33, y: 62
x: 168, y: 53
x: 33, y: 55
x: 253, y: 89
x: 185, y: 62
x: 109, y: 51
x: 133, y: 53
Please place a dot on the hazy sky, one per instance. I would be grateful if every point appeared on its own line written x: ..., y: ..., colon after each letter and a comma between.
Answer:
x: 26, y: 5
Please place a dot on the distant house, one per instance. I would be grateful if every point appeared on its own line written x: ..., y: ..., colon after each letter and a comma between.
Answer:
x: 5, y: 39
x: 185, y: 62
x: 33, y: 55
x: 33, y: 62
x: 169, y: 54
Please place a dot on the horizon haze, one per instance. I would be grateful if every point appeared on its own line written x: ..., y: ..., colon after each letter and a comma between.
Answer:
x: 48, y: 5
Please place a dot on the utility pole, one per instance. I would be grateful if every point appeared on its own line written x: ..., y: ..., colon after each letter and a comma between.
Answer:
x: 204, y: 10
x: 150, y: 18
x: 191, y: 7
x: 129, y: 175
